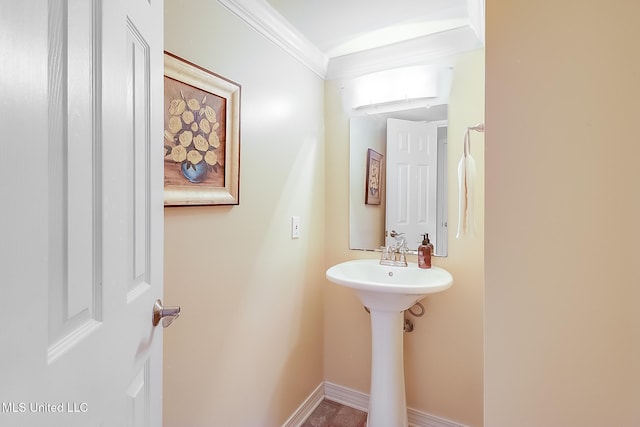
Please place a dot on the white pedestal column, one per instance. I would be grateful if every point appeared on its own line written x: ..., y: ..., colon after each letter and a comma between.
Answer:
x: 387, y: 402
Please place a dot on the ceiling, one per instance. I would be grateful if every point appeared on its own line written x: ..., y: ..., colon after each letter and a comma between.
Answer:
x: 342, y: 27
x: 345, y: 39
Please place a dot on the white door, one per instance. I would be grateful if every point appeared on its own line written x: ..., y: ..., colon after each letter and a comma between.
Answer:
x: 81, y: 212
x: 412, y: 151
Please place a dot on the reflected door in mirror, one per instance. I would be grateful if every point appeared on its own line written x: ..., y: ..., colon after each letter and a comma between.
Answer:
x: 412, y: 160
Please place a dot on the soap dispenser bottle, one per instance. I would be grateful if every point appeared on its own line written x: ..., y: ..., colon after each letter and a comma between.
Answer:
x: 425, y: 250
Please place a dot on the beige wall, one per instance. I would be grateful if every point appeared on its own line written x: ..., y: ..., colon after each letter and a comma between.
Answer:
x: 562, y: 208
x: 367, y: 229
x: 248, y: 347
x: 444, y: 353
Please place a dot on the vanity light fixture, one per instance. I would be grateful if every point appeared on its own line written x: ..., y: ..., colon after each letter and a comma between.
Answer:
x: 400, y: 84
x: 397, y: 89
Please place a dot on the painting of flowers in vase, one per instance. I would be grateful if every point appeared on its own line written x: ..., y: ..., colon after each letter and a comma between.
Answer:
x: 193, y: 143
x: 201, y: 135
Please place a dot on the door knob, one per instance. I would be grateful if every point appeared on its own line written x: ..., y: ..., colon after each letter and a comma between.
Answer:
x: 166, y: 314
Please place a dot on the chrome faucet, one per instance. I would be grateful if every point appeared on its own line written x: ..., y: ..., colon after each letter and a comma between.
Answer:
x: 395, y: 254
x: 401, y: 242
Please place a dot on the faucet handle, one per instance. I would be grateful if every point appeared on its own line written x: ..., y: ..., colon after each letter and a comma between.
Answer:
x: 400, y: 239
x: 403, y: 255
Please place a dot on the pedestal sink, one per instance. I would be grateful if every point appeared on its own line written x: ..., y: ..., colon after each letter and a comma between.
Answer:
x: 387, y: 291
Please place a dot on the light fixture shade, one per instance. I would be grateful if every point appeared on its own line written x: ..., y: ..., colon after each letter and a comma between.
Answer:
x: 400, y: 84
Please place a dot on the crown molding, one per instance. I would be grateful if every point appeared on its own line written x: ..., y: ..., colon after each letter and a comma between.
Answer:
x: 263, y: 18
x: 422, y: 50
x: 475, y: 9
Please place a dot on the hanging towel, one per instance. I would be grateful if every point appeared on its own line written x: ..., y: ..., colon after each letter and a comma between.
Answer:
x: 466, y: 182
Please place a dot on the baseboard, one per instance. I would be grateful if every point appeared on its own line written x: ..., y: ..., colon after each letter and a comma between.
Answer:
x: 421, y: 419
x: 306, y: 408
x: 346, y: 396
x: 358, y: 400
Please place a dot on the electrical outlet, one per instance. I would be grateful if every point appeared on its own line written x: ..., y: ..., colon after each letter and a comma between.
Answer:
x: 295, y: 227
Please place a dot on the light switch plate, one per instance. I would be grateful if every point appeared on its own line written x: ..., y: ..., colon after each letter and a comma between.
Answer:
x: 295, y: 227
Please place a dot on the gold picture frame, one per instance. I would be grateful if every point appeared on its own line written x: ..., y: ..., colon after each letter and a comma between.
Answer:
x: 201, y: 135
x: 373, y: 184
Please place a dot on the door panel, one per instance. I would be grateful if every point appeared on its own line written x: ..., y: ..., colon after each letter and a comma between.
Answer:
x: 132, y: 124
x: 82, y: 183
x: 75, y: 297
x: 411, y: 180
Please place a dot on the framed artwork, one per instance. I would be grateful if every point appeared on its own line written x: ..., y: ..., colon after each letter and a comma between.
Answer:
x: 201, y: 135
x: 374, y: 176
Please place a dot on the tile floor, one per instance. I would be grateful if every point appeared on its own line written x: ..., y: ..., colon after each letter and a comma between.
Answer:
x: 332, y: 414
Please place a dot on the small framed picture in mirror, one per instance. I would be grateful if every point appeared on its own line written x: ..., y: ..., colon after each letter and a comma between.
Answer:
x: 373, y: 182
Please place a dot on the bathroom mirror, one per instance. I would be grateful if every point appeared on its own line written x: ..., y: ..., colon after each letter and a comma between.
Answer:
x: 369, y: 223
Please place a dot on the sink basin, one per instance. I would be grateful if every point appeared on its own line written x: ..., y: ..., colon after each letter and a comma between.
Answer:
x: 387, y: 291
x: 385, y: 287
